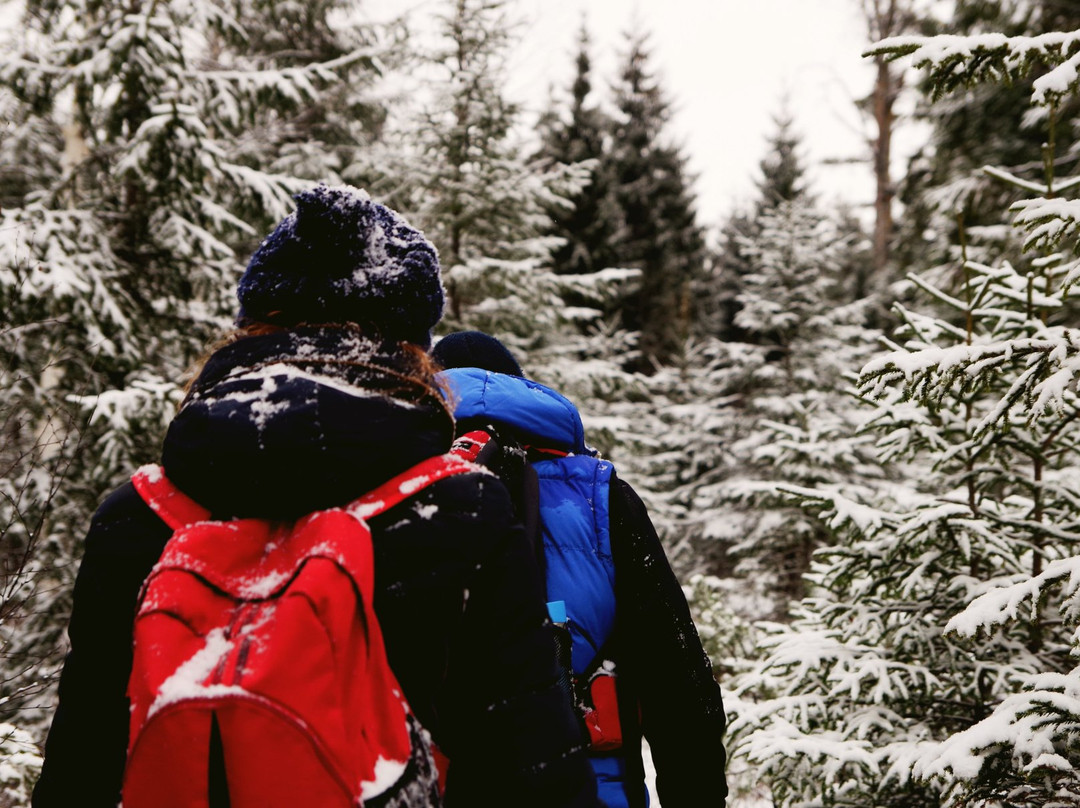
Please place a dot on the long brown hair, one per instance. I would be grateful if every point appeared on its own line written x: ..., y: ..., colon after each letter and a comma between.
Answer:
x: 418, y: 371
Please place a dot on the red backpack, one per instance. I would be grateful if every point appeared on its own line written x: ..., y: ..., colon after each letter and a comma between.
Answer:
x: 259, y: 676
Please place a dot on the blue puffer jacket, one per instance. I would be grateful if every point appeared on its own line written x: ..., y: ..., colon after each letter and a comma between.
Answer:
x: 574, y: 499
x: 605, y: 560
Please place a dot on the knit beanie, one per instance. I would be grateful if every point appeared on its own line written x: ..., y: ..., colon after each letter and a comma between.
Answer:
x: 342, y: 258
x: 475, y: 349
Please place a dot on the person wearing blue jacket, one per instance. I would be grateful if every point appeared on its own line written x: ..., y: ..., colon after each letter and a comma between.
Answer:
x: 636, y: 665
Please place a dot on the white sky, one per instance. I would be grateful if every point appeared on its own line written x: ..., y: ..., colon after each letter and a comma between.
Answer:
x: 726, y: 66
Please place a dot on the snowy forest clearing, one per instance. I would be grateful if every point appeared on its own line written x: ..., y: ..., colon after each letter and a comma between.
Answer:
x: 861, y: 448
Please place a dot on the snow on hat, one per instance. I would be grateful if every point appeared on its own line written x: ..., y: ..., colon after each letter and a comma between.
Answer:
x: 340, y: 257
x: 475, y: 349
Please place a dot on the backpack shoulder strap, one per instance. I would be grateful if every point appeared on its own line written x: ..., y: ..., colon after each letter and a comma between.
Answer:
x: 409, y: 482
x: 512, y: 465
x: 530, y: 499
x: 177, y: 509
x: 169, y: 503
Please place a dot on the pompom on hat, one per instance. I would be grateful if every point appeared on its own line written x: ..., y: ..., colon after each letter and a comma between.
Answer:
x: 342, y: 258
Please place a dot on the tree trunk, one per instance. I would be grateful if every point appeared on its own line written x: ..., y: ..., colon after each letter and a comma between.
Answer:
x: 886, y: 88
x: 885, y: 18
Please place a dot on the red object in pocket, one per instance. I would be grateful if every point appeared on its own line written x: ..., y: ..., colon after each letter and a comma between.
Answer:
x: 602, y: 721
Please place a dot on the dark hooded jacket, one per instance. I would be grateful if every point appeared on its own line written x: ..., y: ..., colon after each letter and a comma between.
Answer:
x: 666, y: 690
x: 277, y: 426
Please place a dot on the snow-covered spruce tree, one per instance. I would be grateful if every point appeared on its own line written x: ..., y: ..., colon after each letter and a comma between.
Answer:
x: 934, y: 661
x: 659, y: 233
x: 118, y: 253
x: 986, y: 124
x: 796, y: 412
x: 457, y: 165
x: 782, y: 179
x: 793, y: 265
x: 1027, y: 751
x: 587, y: 230
x: 328, y: 132
x: 704, y: 404
x: 739, y: 416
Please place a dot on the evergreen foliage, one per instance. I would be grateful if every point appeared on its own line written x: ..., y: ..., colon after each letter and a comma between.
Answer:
x: 782, y: 179
x: 933, y: 661
x: 321, y: 134
x: 659, y: 233
x: 587, y: 230
x: 783, y: 174
x: 795, y: 405
x: 988, y: 124
x: 457, y: 168
x: 740, y: 416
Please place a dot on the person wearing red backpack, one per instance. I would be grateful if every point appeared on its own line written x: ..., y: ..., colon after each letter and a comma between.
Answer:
x: 322, y: 395
x: 633, y: 658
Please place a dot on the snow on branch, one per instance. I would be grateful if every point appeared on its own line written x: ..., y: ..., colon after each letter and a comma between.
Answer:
x: 63, y: 257
x: 1027, y: 726
x: 1047, y: 221
x: 221, y: 217
x: 1002, y: 605
x: 190, y: 240
x: 1052, y: 360
x: 1017, y: 182
x: 955, y: 61
x: 145, y: 396
x: 862, y: 518
x: 20, y: 764
x: 272, y: 191
x: 298, y: 85
x: 785, y: 740
x: 1060, y: 186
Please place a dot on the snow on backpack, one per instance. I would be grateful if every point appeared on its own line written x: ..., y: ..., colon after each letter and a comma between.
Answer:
x: 259, y: 676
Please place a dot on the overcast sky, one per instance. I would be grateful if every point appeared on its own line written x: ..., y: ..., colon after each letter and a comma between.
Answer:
x: 726, y: 66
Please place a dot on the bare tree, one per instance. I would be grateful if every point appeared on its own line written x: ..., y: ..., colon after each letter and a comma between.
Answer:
x: 885, y: 18
x: 37, y: 445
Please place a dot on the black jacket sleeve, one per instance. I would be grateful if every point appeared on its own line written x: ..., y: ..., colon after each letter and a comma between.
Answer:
x: 682, y: 713
x: 87, y: 743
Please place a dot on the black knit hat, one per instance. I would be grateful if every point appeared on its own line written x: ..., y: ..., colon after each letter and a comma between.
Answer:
x: 475, y: 349
x: 341, y: 258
